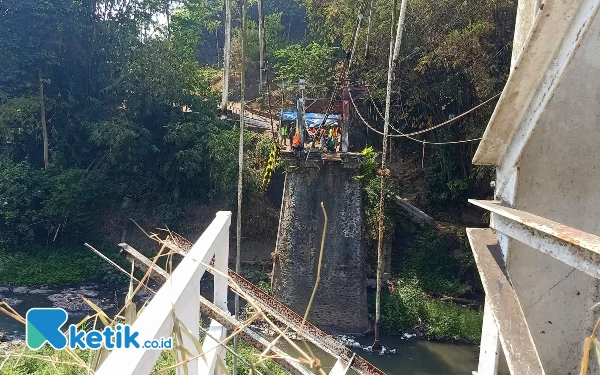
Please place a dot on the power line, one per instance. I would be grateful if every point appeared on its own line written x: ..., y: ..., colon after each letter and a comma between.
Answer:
x: 400, y: 132
x: 346, y: 73
x: 424, y: 130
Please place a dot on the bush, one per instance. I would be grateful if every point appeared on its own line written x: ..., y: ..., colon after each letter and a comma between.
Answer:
x: 21, y: 196
x: 407, y: 308
x: 53, y: 266
x: 38, y: 204
x: 442, y: 262
x: 449, y: 321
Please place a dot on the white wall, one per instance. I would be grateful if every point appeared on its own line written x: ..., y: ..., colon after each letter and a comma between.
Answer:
x: 559, y: 178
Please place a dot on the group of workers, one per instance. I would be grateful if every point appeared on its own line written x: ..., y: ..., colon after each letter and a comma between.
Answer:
x: 329, y: 137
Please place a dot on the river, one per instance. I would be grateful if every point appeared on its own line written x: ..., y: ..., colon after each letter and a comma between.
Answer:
x: 413, y: 356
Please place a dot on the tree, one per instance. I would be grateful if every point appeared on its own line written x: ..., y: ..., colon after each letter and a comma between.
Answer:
x: 314, y: 62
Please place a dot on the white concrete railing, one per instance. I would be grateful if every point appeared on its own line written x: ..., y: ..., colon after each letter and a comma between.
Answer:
x: 179, y: 297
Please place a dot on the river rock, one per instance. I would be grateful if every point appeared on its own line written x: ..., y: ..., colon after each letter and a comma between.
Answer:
x: 72, y: 302
x: 20, y: 290
x: 12, y: 302
x: 4, y: 289
x: 6, y: 346
x: 41, y: 290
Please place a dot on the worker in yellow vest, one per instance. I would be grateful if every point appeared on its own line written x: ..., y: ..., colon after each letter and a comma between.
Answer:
x: 283, y: 135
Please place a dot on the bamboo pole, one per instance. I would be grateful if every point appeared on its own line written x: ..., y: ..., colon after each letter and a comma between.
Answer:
x: 240, y: 169
x: 393, y: 61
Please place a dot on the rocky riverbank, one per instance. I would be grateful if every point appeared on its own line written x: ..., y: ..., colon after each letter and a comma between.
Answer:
x: 70, y: 298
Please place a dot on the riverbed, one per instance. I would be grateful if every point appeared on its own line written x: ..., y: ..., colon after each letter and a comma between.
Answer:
x: 412, y: 357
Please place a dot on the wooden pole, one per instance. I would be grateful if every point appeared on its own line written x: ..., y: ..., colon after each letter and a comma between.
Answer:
x: 393, y: 60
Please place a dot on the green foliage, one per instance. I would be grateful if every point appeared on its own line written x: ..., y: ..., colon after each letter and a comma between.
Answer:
x: 406, y: 308
x: 53, y: 266
x: 36, y: 205
x: 449, y: 321
x: 315, y: 62
x: 441, y: 262
x: 265, y: 286
x: 372, y: 194
x: 273, y: 37
x: 131, y: 121
x: 250, y: 355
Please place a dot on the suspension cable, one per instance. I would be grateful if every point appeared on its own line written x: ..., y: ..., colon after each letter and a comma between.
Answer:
x: 424, y: 130
x: 400, y: 132
x: 346, y: 72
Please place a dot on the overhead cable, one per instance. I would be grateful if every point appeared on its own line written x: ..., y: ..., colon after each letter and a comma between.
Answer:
x: 424, y: 130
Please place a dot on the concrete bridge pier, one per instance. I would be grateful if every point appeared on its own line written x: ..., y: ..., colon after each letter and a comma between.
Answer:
x: 340, y: 305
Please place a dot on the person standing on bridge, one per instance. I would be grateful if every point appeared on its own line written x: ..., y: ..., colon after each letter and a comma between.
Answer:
x: 296, y: 146
x: 323, y: 137
x: 290, y: 132
x: 335, y: 137
x: 283, y: 135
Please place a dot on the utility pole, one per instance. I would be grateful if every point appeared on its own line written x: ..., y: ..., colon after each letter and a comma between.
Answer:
x: 226, y: 58
x: 43, y: 122
x: 300, y: 118
x: 346, y: 115
x: 261, y: 43
x: 240, y: 173
x: 369, y: 29
x: 360, y: 17
x: 393, y: 60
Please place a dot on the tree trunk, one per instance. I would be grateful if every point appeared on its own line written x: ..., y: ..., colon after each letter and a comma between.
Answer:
x: 393, y: 60
x: 226, y: 58
x: 43, y: 121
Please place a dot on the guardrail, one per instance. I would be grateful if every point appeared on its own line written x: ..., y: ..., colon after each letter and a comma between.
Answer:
x: 179, y: 298
x: 504, y: 320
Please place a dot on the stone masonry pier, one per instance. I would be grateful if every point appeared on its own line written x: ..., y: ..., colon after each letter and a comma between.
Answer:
x: 340, y: 305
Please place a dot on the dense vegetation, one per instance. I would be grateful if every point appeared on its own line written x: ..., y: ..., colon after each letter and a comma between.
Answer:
x: 129, y: 116
x: 123, y: 95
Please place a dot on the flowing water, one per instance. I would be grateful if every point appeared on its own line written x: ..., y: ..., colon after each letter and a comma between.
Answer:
x: 412, y: 357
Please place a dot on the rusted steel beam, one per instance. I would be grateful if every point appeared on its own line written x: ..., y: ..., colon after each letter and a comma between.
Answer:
x: 571, y: 246
x: 518, y: 346
x: 218, y: 315
x: 288, y: 317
